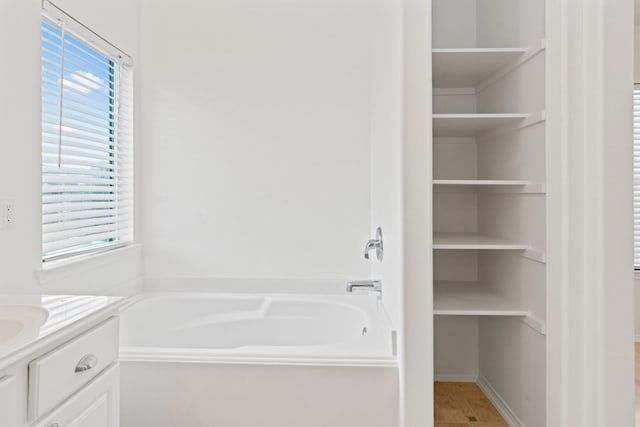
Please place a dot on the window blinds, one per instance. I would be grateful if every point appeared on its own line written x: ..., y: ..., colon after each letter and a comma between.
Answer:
x: 636, y: 176
x: 87, y: 158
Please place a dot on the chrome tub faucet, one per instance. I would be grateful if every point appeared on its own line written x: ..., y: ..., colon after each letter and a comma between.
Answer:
x: 375, y: 244
x: 365, y: 285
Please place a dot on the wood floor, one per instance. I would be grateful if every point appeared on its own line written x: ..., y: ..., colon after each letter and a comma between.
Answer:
x: 464, y: 405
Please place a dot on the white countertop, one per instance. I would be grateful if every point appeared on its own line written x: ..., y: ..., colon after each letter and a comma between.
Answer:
x: 46, y: 319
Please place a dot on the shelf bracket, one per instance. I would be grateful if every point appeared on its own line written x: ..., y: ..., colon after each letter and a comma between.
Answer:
x: 535, y: 255
x: 536, y: 324
x: 531, y: 53
x: 533, y: 119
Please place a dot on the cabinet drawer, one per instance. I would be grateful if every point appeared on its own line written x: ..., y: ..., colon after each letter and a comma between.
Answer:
x: 96, y: 405
x: 56, y: 375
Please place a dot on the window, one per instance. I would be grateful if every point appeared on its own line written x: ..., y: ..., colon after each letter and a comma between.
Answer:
x: 636, y: 177
x: 87, y: 156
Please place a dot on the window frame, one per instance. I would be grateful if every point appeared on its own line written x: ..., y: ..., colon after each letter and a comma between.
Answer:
x: 116, y: 150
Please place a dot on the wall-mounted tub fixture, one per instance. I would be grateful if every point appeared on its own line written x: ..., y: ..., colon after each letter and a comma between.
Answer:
x: 375, y: 244
x: 365, y: 285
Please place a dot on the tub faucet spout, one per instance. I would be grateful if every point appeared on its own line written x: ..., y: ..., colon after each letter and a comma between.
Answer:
x: 365, y: 285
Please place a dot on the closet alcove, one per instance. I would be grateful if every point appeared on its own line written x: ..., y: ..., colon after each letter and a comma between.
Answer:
x: 489, y: 200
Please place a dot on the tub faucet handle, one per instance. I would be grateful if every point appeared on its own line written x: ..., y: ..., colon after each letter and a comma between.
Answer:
x: 375, y: 244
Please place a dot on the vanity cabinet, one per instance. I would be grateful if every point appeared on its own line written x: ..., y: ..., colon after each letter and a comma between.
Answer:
x: 9, y: 414
x: 58, y: 374
x: 96, y: 405
x: 73, y: 381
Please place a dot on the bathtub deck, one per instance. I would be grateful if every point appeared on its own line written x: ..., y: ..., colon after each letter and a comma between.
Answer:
x: 464, y: 405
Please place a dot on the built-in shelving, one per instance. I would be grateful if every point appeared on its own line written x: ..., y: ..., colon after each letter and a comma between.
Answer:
x: 474, y: 241
x: 489, y: 196
x: 454, y: 298
x: 466, y: 68
x: 473, y: 124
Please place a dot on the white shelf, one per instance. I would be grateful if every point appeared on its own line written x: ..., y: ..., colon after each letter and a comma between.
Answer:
x: 466, y: 68
x: 491, y: 185
x: 474, y: 241
x: 473, y: 124
x: 481, y: 182
x: 471, y: 299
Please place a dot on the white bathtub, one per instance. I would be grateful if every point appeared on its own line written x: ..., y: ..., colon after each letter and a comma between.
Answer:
x: 249, y: 360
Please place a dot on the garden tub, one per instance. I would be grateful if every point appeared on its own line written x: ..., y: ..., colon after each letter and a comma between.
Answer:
x: 211, y: 359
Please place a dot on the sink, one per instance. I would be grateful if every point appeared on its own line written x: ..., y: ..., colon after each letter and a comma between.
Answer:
x: 9, y: 329
x: 20, y: 324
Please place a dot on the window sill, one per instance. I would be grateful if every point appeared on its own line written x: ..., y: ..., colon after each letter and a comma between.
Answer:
x: 57, y: 270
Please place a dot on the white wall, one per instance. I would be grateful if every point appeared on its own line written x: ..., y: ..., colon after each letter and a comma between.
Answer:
x: 255, y: 127
x: 386, y: 155
x: 20, y: 127
x: 512, y: 355
x: 386, y: 149
x: 456, y: 354
x: 590, y: 299
x: 636, y: 58
x: 416, y: 343
x: 637, y: 81
x: 20, y: 247
x: 512, y: 363
x: 456, y: 23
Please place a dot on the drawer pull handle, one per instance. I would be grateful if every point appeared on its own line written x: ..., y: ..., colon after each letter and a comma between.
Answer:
x: 87, y: 362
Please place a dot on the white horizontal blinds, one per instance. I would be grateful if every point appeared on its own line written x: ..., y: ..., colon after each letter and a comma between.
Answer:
x: 124, y: 152
x: 636, y: 176
x: 87, y: 159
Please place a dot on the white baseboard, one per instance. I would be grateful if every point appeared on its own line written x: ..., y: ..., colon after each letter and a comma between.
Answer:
x: 456, y: 377
x: 637, y: 337
x: 509, y: 416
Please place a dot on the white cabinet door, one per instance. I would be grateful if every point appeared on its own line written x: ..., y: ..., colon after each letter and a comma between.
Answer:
x: 8, y: 401
x: 96, y: 405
